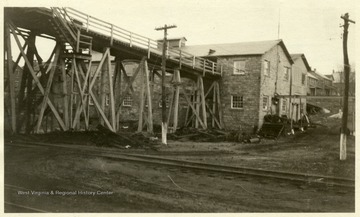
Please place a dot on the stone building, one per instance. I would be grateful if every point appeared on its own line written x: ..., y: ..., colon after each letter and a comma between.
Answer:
x: 258, y: 83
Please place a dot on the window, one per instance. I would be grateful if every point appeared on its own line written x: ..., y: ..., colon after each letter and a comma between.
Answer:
x: 239, y: 67
x: 327, y: 92
x: 265, y: 102
x: 167, y: 101
x: 312, y: 92
x: 237, y: 102
x: 107, y: 100
x: 286, y: 73
x: 283, y: 107
x: 127, y: 101
x: 303, y: 77
x: 266, y: 67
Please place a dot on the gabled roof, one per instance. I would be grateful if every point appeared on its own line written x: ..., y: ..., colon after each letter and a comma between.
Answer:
x: 173, y: 39
x: 302, y: 56
x: 311, y: 76
x: 330, y: 77
x: 236, y: 49
x: 323, y: 76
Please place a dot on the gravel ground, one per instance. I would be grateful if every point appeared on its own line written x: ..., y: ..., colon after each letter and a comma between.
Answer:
x: 120, y: 186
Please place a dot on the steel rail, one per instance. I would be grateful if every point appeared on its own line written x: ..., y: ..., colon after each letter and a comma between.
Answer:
x: 25, y: 207
x: 229, y: 170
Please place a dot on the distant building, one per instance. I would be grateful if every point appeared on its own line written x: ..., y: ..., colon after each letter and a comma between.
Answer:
x: 338, y: 82
x: 320, y: 85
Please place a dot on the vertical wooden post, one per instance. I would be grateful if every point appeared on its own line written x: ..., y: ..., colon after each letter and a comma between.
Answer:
x: 141, y: 104
x: 214, y: 106
x: 71, y: 93
x: 111, y: 93
x: 150, y: 128
x: 103, y: 87
x: 197, y: 105
x: 65, y: 93
x: 10, y: 77
x: 117, y: 88
x: 203, y: 105
x: 77, y: 95
x: 176, y: 101
x: 170, y: 108
x: 219, y: 104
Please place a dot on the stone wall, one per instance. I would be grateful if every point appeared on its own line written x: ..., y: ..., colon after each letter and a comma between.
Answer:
x: 275, y: 82
x: 248, y: 86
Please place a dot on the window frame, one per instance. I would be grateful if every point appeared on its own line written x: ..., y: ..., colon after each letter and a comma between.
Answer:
x: 242, y: 72
x: 128, y: 101
x: 167, y: 102
x: 267, y: 103
x: 287, y: 73
x: 266, y: 70
x: 284, y: 106
x: 303, y: 79
x: 241, y: 102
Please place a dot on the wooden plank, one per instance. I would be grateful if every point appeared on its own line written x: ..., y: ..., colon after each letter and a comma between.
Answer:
x: 37, y: 82
x: 170, y: 108
x: 47, y: 90
x: 65, y: 92
x: 150, y: 127
x: 98, y: 70
x: 193, y: 108
x: 188, y: 108
x: 210, y: 88
x: 71, y: 94
x: 111, y: 94
x: 141, y: 104
x: 203, y: 106
x: 10, y: 78
x: 213, y: 116
x: 96, y: 103
x: 219, y: 104
x: 117, y: 88
x: 85, y: 76
x: 103, y: 84
x: 176, y: 102
x: 197, y: 102
x: 213, y: 107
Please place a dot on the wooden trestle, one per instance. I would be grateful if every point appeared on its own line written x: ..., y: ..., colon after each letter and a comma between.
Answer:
x: 39, y: 99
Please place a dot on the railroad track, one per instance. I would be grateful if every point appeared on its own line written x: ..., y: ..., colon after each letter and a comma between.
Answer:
x: 214, y: 168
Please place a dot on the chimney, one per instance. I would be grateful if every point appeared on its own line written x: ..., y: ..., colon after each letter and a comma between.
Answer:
x: 211, y: 51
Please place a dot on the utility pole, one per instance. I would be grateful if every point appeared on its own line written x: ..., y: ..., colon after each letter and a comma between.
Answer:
x: 343, y: 135
x: 163, y: 95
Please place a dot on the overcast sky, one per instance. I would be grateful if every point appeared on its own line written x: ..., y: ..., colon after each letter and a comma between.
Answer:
x: 306, y: 26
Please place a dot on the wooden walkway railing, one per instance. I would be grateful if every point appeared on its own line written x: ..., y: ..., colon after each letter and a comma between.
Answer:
x: 90, y: 23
